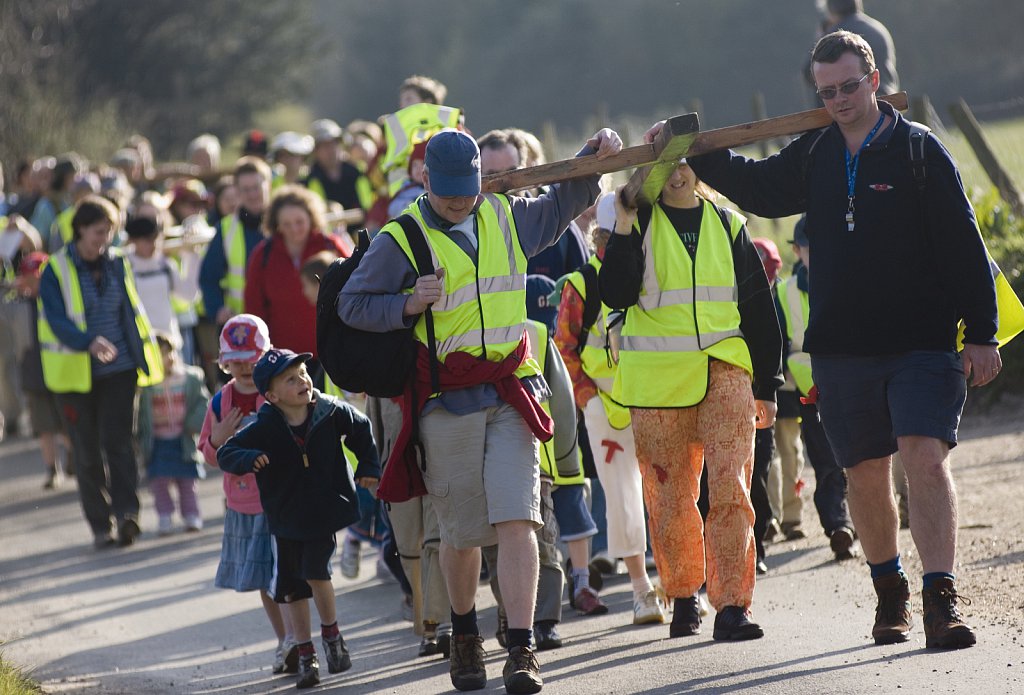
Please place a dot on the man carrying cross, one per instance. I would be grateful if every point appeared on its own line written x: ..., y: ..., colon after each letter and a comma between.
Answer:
x: 479, y: 437
x: 898, y: 262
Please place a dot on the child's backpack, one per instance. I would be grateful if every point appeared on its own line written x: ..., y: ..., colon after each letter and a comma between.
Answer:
x: 378, y: 364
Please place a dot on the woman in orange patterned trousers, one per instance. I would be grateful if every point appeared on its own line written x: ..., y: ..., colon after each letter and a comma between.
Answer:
x: 699, y: 363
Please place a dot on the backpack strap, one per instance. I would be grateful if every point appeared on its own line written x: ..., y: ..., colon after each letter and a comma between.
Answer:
x: 424, y: 265
x: 215, y: 405
x: 591, y: 304
x: 918, y: 136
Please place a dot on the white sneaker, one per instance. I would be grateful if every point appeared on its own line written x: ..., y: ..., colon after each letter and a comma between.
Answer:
x: 193, y: 523
x: 703, y: 607
x: 164, y: 525
x: 648, y: 608
x: 350, y: 550
x: 286, y: 656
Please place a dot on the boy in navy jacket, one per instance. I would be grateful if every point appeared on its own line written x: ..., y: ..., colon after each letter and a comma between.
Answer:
x: 307, y: 489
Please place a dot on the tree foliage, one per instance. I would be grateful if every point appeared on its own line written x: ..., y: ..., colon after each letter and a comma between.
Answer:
x: 80, y: 73
x: 532, y: 61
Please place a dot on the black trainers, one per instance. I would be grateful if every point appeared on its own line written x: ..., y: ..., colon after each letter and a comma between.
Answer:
x: 793, y: 530
x: 522, y: 672
x: 545, y: 635
x: 309, y: 671
x: 733, y: 624
x: 467, y: 664
x: 892, y: 614
x: 685, y: 617
x: 944, y: 627
x: 336, y: 652
x: 841, y: 542
x: 127, y: 531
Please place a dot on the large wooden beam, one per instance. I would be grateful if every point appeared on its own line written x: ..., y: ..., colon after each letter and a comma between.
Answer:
x: 672, y: 144
x: 641, y: 155
x: 791, y: 124
x: 566, y: 169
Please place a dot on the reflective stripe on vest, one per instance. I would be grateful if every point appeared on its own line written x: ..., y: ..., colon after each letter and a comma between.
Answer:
x: 483, y: 308
x: 404, y: 129
x: 687, y: 313
x: 233, y: 282
x: 597, y: 364
x: 537, y: 333
x: 70, y: 371
x: 796, y: 310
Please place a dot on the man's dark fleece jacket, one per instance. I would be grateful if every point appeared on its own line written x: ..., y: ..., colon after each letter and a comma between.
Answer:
x: 913, y: 266
x: 622, y: 274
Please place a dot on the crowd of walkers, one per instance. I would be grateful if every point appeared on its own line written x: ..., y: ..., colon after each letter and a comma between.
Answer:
x: 607, y: 384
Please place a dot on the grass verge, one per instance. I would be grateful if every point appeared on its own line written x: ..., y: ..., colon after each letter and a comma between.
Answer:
x: 14, y: 681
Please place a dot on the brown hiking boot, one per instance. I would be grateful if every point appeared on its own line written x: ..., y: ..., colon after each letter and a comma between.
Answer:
x: 522, y: 672
x: 944, y: 627
x: 467, y: 664
x: 892, y: 615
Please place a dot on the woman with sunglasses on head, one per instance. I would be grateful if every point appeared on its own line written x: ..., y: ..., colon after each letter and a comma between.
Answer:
x: 884, y: 194
x: 699, y: 363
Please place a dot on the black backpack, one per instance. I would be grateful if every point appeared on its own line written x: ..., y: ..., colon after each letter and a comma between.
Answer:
x: 378, y: 364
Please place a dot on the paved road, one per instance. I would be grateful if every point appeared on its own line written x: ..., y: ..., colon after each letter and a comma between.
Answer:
x: 148, y: 620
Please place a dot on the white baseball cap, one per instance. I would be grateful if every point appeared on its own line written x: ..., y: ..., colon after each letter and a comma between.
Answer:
x: 244, y: 338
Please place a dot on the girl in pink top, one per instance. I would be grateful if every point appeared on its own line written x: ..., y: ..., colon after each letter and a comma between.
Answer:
x: 246, y: 557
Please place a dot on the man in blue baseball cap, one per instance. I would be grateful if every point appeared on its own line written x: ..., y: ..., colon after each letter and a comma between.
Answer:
x: 480, y: 432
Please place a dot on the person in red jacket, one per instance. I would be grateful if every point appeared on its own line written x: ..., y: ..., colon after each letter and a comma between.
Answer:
x: 294, y: 225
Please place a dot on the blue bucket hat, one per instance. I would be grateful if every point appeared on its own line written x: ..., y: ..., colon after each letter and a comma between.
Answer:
x: 453, y: 164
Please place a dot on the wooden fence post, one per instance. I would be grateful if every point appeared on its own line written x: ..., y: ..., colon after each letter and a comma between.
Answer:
x: 920, y: 110
x: 976, y: 138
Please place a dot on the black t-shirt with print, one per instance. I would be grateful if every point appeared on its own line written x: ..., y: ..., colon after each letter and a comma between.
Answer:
x: 687, y: 224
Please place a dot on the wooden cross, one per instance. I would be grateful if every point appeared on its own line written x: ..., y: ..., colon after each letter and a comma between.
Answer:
x: 679, y: 138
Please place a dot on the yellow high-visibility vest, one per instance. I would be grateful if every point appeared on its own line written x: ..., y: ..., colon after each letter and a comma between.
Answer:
x: 406, y: 128
x: 63, y: 225
x: 483, y: 309
x: 1008, y: 308
x: 538, y: 335
x: 796, y: 310
x: 70, y: 371
x: 597, y: 364
x: 364, y: 190
x: 233, y: 282
x: 688, y: 312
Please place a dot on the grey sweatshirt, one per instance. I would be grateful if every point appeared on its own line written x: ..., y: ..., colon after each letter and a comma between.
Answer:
x: 372, y: 299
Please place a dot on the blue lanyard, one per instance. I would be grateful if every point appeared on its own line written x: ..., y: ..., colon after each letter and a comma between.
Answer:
x: 851, y: 170
x: 852, y: 164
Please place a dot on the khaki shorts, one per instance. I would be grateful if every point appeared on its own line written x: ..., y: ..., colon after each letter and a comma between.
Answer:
x: 482, y: 469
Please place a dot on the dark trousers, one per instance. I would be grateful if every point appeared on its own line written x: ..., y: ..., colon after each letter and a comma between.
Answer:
x: 764, y: 452
x: 830, y: 480
x: 100, y: 424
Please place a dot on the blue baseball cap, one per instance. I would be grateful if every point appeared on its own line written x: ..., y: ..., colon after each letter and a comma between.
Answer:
x: 272, y: 363
x: 453, y: 164
x: 800, y: 233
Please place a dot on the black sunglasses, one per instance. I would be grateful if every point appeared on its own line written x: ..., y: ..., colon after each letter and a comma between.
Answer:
x: 827, y: 93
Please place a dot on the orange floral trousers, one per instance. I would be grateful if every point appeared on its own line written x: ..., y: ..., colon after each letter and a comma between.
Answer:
x: 673, y: 445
